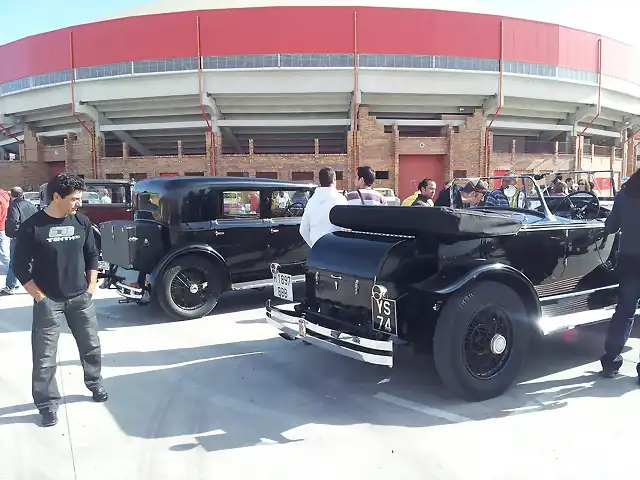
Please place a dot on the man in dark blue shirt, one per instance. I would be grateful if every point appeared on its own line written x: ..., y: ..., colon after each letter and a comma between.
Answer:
x: 56, y: 260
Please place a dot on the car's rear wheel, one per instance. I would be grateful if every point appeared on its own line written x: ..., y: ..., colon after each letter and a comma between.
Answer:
x: 481, y: 340
x: 189, y: 287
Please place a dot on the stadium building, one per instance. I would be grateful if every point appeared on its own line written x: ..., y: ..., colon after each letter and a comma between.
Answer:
x: 258, y: 88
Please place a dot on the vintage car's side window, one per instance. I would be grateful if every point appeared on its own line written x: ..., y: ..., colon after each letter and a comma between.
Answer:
x: 148, y: 206
x: 107, y: 194
x: 200, y: 205
x: 289, y: 203
x: 239, y: 204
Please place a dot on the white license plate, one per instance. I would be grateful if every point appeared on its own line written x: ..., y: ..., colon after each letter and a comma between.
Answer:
x: 283, y: 286
x: 103, y: 265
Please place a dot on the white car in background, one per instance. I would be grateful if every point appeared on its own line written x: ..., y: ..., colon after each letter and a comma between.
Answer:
x: 389, y: 195
x: 33, y: 197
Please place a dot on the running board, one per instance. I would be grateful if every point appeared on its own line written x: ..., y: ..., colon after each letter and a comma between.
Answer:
x: 549, y: 325
x: 263, y: 283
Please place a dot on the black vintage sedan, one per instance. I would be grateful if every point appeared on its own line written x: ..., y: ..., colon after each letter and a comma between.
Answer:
x: 194, y: 238
x: 472, y: 284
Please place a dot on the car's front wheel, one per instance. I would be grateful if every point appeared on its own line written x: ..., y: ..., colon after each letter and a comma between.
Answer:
x: 481, y: 340
x: 189, y: 287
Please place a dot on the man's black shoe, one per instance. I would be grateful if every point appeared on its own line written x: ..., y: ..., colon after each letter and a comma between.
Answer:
x: 609, y: 373
x: 49, y: 419
x: 100, y: 394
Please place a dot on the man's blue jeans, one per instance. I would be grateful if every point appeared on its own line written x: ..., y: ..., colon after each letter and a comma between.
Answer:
x: 12, y: 281
x: 4, y: 249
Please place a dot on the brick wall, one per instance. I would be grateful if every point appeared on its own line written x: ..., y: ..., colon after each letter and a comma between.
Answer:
x: 462, y: 147
x: 28, y: 175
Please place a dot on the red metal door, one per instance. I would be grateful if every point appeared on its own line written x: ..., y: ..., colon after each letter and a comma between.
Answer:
x: 498, y: 181
x: 55, y: 168
x: 414, y: 168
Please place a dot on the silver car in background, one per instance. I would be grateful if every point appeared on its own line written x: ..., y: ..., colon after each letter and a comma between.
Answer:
x: 389, y: 195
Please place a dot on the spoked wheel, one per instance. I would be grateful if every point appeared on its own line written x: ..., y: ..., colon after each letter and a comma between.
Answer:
x: 190, y: 287
x: 487, y: 344
x: 481, y: 339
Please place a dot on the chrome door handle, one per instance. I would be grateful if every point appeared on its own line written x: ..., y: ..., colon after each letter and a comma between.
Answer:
x: 219, y: 233
x: 274, y: 230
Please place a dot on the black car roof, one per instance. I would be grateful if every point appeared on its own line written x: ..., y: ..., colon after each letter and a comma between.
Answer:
x: 177, y: 183
x: 99, y: 181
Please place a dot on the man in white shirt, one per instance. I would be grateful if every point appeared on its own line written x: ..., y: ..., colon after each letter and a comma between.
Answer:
x: 364, y: 194
x: 315, y: 219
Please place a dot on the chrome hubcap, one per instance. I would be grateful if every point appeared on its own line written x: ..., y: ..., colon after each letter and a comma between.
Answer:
x: 498, y: 344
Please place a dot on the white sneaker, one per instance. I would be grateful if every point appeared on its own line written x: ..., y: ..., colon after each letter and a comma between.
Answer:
x: 7, y: 291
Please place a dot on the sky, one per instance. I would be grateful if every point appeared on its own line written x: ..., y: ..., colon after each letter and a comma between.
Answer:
x: 37, y: 16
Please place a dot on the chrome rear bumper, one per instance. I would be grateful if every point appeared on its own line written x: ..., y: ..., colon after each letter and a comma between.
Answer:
x: 378, y: 352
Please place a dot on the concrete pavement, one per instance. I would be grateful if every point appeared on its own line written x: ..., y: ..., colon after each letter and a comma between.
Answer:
x: 225, y: 397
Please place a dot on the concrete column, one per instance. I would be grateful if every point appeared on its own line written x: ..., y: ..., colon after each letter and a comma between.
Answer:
x: 316, y: 144
x: 180, y: 149
x: 3, y: 153
x: 125, y: 150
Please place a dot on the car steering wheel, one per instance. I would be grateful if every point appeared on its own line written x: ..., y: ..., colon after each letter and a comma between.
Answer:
x: 288, y: 212
x: 575, y: 212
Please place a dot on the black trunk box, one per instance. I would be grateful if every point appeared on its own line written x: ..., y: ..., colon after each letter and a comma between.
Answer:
x: 136, y: 245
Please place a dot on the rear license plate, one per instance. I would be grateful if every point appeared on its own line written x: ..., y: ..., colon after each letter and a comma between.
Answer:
x: 302, y: 328
x: 383, y: 316
x: 282, y: 286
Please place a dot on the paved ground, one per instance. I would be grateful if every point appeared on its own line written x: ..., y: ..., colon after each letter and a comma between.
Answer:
x: 225, y: 397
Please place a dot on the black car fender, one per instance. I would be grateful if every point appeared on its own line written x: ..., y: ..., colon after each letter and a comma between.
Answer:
x: 451, y: 279
x: 199, y: 248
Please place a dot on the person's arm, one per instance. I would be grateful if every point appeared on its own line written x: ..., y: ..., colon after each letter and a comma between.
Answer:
x: 12, y: 222
x: 305, y: 226
x: 21, y: 262
x: 91, y: 255
x: 612, y: 223
x: 490, y: 200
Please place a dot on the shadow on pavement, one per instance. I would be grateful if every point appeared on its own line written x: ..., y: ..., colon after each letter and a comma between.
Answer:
x: 246, y: 393
x: 254, y: 392
x: 113, y: 315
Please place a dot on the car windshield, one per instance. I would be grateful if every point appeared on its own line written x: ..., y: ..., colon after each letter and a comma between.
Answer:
x: 517, y: 192
x: 602, y: 183
x: 523, y: 192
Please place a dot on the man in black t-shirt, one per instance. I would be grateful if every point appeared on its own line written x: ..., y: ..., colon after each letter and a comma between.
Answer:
x: 56, y: 260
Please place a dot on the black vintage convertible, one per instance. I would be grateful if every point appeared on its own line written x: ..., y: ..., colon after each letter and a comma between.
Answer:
x: 474, y: 284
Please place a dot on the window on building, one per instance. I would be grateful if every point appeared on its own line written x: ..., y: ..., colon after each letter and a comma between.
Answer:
x: 115, y: 176
x: 237, y: 174
x: 194, y: 174
x: 273, y: 175
x: 302, y: 176
x: 168, y: 174
x: 459, y: 174
x: 382, y: 174
x: 138, y: 176
x: 339, y: 175
x: 240, y: 204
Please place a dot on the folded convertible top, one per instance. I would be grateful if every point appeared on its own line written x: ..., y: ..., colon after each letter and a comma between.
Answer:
x: 416, y: 221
